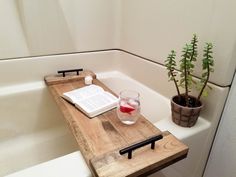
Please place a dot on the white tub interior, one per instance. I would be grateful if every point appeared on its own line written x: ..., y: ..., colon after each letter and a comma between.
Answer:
x: 32, y: 129
x: 154, y: 106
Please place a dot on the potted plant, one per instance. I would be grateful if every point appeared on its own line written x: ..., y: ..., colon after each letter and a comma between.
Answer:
x: 184, y: 106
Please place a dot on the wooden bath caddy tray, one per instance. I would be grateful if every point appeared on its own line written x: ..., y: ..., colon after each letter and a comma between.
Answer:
x: 104, y: 138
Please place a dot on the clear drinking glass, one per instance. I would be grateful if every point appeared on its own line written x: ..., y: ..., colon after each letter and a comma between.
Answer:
x: 128, y: 109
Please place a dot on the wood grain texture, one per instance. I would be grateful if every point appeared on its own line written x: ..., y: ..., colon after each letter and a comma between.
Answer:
x: 104, y: 134
x: 144, y: 160
x: 71, y: 77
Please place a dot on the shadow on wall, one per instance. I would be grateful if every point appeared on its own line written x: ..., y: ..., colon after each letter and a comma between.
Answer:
x: 44, y: 26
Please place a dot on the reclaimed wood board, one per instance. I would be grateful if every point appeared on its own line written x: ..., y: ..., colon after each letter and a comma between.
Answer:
x: 101, y: 137
x: 167, y: 151
x: 55, y: 79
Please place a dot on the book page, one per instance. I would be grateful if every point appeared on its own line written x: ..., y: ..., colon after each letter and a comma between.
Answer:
x: 98, y: 102
x: 82, y: 93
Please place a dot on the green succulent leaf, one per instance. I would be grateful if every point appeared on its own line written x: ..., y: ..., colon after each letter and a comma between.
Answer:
x: 170, y: 64
x: 207, y: 67
x: 186, y: 67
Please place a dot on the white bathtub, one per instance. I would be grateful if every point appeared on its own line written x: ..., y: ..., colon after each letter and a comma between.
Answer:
x: 34, y: 130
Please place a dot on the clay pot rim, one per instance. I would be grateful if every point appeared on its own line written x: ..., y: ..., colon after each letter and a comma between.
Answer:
x: 185, y: 107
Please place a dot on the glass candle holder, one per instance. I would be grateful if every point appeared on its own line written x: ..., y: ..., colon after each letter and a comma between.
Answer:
x: 128, y: 109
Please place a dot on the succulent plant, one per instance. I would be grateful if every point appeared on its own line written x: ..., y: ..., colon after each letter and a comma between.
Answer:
x: 188, y: 58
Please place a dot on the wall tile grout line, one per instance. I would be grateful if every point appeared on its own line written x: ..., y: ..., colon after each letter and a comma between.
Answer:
x: 104, y: 50
x: 59, y: 54
x: 149, y: 60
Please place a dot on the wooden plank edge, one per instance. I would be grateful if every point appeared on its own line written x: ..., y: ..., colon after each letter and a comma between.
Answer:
x: 59, y: 79
x: 75, y: 131
x: 152, y: 168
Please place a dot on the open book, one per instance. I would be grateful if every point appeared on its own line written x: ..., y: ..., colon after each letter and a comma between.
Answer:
x: 92, y: 100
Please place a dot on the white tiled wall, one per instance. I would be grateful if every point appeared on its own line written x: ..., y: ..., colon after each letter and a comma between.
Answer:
x: 152, y: 28
x: 12, y: 40
x: 28, y: 70
x: 32, y: 27
x: 147, y: 28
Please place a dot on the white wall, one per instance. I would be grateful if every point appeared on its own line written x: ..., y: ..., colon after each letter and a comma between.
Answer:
x: 147, y: 28
x: 152, y: 28
x: 223, y: 158
x: 12, y: 39
x: 32, y: 27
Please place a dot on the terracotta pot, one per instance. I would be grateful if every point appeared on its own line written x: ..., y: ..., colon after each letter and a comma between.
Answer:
x: 185, y: 116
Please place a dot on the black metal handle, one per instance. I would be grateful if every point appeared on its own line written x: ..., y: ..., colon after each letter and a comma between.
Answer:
x: 69, y: 70
x: 151, y: 141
